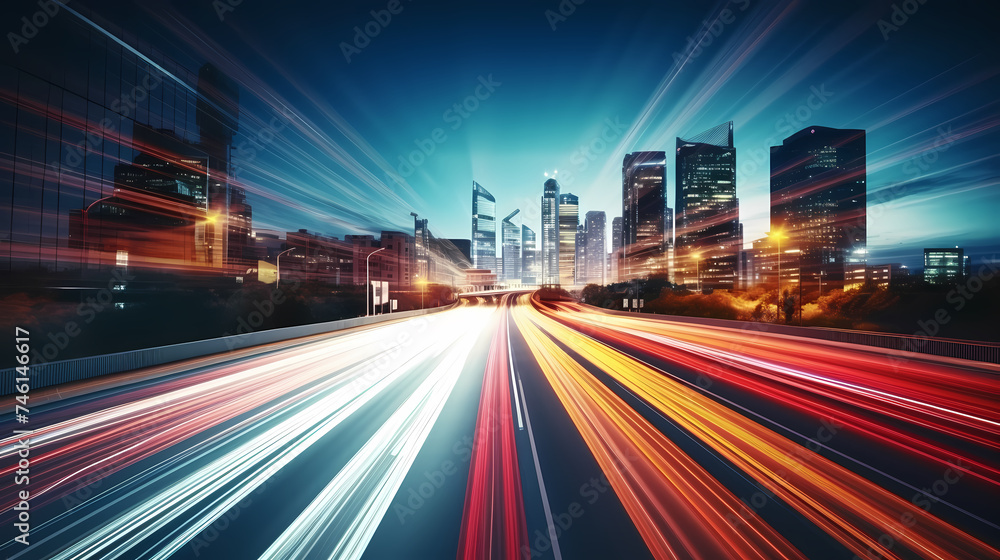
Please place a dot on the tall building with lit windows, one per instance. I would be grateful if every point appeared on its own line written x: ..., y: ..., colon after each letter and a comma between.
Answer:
x: 818, y: 199
x: 708, y: 231
x: 596, y: 248
x: 614, y: 257
x: 531, y: 265
x: 112, y: 158
x: 944, y: 266
x: 644, y: 219
x: 550, y: 232
x: 569, y: 221
x: 484, y: 229
x: 511, y: 248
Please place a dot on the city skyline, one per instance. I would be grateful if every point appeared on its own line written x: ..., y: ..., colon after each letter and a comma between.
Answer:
x: 925, y: 147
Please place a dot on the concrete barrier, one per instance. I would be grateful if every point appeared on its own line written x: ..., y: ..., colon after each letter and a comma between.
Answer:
x: 65, y: 371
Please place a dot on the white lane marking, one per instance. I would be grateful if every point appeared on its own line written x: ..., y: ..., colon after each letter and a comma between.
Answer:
x: 556, y: 553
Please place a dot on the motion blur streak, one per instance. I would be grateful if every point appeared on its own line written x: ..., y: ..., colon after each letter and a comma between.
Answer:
x: 855, y: 511
x: 493, y: 521
x: 839, y: 380
x: 340, y: 522
x: 680, y: 510
x: 257, y: 451
x: 156, y: 417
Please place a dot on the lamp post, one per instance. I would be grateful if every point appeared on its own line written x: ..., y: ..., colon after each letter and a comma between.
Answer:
x: 277, y: 283
x: 86, y: 230
x: 368, y: 279
x: 778, y: 235
x: 697, y: 269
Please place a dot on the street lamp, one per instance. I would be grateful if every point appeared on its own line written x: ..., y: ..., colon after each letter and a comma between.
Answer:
x: 697, y: 269
x: 423, y: 287
x: 277, y: 283
x: 368, y: 279
x: 778, y: 236
x: 86, y: 230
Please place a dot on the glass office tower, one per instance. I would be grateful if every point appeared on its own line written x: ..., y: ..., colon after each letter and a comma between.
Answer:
x: 484, y: 229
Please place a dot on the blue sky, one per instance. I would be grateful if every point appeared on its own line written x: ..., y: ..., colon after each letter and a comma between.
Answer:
x: 617, y: 77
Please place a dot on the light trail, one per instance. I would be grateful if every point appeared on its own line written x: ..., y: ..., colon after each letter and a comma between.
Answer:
x: 258, y: 450
x: 340, y: 522
x: 493, y: 520
x: 852, y: 509
x: 680, y: 510
x: 856, y: 388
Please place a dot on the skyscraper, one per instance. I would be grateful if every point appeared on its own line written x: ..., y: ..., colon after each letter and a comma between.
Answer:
x: 569, y: 220
x: 596, y: 247
x: 818, y: 198
x: 550, y: 232
x: 217, y: 119
x: 422, y: 239
x: 944, y: 266
x: 530, y: 263
x: 511, y: 228
x: 580, y: 259
x: 644, y: 205
x: 484, y: 229
x: 709, y: 235
x: 614, y: 258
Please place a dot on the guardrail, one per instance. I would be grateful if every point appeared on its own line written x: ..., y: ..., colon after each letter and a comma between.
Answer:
x: 65, y: 371
x: 963, y: 349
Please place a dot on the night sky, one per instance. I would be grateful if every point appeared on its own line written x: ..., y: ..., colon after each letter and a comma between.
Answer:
x: 615, y: 76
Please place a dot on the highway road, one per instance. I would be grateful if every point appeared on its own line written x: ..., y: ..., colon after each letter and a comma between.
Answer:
x: 511, y: 427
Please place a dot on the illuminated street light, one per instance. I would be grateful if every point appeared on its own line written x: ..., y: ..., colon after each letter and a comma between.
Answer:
x: 368, y: 279
x: 423, y: 287
x: 697, y: 269
x: 778, y: 236
x: 277, y: 283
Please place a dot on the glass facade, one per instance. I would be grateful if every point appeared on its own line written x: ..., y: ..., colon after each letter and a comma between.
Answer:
x: 550, y: 232
x: 708, y: 213
x: 595, y: 226
x: 512, y: 248
x: 101, y: 159
x: 818, y: 198
x: 530, y: 263
x: 644, y: 205
x: 484, y: 229
x: 569, y: 221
